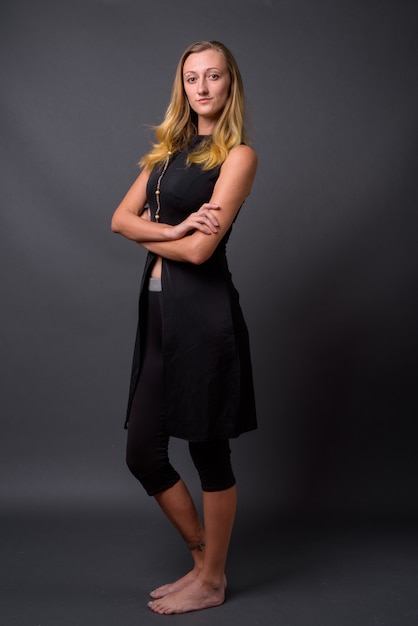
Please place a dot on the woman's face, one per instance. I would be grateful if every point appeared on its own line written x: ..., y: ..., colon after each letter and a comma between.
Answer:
x: 206, y: 83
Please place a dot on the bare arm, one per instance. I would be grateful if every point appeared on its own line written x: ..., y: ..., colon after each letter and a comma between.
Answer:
x: 232, y: 187
x: 128, y: 219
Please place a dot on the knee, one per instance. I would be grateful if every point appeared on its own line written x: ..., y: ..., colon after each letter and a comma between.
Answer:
x: 212, y: 460
x: 153, y: 479
x: 142, y: 457
x: 133, y: 464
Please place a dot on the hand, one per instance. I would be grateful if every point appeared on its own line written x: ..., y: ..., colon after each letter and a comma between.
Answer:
x: 203, y: 220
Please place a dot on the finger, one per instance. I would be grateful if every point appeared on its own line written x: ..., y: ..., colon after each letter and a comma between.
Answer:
x: 203, y: 228
x: 205, y: 225
x: 210, y: 222
x: 210, y: 217
x: 208, y: 205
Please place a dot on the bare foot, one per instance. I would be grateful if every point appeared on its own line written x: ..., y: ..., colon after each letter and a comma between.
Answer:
x: 164, y: 590
x: 195, y: 596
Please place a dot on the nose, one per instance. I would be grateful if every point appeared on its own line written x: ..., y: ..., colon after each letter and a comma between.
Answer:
x: 202, y: 86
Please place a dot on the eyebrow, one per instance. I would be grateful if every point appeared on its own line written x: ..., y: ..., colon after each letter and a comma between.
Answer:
x: 218, y: 69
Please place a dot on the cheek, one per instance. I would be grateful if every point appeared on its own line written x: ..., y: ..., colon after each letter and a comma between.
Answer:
x: 225, y: 91
x: 187, y: 92
x: 189, y: 98
x: 225, y: 94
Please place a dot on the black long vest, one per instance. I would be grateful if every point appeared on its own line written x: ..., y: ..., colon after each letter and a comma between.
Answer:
x: 207, y: 386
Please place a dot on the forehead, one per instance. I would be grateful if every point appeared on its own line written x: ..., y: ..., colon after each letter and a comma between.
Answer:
x: 201, y: 61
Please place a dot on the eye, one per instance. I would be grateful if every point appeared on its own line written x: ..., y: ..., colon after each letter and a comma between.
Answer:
x: 191, y: 79
x: 213, y: 76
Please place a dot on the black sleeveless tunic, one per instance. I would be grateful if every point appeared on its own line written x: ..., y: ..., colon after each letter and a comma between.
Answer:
x: 207, y: 388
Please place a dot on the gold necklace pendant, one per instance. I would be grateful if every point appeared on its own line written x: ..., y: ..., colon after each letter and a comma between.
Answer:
x: 157, y: 191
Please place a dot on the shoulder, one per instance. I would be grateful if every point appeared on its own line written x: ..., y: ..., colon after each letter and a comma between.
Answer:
x: 241, y: 156
x: 243, y: 152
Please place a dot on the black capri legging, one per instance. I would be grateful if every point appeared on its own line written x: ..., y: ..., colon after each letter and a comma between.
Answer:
x: 147, y: 445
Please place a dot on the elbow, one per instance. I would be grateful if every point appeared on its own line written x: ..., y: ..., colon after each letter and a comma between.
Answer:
x: 114, y: 225
x: 197, y: 256
x: 199, y: 259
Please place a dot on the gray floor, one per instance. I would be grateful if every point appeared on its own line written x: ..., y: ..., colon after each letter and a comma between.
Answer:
x: 85, y: 568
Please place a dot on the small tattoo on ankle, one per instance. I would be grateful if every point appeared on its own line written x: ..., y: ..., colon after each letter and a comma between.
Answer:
x: 199, y: 547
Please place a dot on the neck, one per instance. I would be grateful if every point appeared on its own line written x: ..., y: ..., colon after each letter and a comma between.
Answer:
x: 205, y: 127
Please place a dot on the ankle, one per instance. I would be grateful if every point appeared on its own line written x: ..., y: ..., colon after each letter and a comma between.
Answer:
x: 198, y: 547
x: 197, y: 568
x: 197, y: 551
x: 213, y: 581
x: 198, y: 560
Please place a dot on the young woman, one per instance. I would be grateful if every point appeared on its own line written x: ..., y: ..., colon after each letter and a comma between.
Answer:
x: 191, y: 374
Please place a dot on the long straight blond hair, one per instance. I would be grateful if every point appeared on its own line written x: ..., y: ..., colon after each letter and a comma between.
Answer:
x: 180, y: 122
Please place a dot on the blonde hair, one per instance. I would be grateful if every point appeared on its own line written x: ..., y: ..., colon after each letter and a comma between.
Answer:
x: 180, y: 122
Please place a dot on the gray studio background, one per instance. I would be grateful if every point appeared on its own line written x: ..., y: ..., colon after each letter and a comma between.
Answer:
x: 323, y: 253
